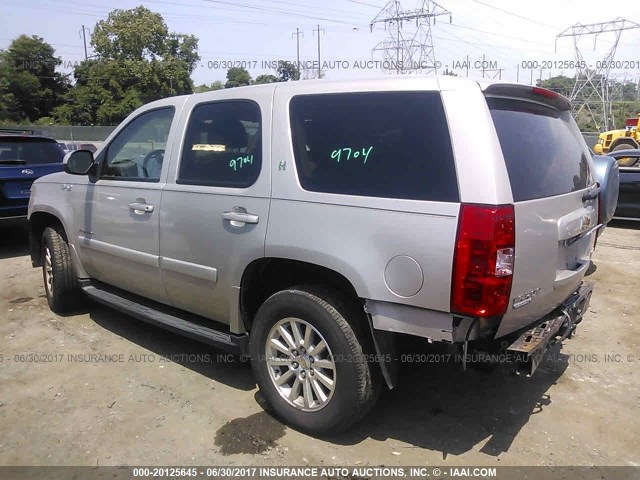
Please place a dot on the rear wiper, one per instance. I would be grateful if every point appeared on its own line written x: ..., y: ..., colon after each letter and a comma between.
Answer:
x: 12, y: 162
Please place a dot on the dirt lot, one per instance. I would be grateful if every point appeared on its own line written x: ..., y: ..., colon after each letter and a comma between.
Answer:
x: 65, y: 407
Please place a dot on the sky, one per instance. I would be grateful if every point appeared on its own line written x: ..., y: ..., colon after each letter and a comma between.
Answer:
x: 255, y: 33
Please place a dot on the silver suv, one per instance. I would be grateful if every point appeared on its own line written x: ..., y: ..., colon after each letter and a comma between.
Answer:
x: 309, y: 223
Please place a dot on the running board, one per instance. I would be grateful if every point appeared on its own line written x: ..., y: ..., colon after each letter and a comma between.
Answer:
x: 148, y: 314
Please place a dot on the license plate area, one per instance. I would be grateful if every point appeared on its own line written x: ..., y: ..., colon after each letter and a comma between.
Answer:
x: 528, y: 350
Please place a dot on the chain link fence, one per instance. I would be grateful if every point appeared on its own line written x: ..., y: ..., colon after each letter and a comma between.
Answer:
x: 67, y: 133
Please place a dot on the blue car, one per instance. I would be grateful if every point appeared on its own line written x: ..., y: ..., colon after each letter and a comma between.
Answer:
x: 24, y: 157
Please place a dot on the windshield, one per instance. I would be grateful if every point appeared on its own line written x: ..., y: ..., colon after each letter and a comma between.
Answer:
x: 29, y: 151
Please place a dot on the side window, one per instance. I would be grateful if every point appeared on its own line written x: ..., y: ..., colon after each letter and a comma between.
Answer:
x: 223, y: 145
x: 137, y: 153
x: 376, y: 144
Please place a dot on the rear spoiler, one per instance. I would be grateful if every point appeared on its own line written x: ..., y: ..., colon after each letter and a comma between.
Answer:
x: 527, y: 92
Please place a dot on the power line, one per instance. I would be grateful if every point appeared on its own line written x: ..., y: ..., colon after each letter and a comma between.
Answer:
x: 515, y: 14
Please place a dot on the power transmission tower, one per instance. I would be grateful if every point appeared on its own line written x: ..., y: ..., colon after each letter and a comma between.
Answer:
x: 408, y: 47
x: 592, y: 89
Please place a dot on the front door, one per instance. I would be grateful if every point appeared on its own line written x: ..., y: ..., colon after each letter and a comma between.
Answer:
x: 119, y: 238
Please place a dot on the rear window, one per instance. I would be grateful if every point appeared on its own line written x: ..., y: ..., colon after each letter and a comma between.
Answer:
x: 31, y: 151
x: 542, y: 147
x: 378, y: 144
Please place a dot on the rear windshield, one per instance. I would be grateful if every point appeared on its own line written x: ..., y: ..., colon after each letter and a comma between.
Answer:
x: 542, y: 147
x: 31, y: 151
x: 377, y: 144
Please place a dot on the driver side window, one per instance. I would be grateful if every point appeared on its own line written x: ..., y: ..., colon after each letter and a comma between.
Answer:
x: 137, y: 153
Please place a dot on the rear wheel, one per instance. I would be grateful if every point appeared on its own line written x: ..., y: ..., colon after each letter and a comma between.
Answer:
x: 310, y: 362
x: 60, y: 284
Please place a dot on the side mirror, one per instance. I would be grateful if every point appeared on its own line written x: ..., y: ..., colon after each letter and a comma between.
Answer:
x: 78, y: 162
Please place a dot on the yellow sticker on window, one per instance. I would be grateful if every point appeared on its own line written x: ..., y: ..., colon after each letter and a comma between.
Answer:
x: 208, y: 147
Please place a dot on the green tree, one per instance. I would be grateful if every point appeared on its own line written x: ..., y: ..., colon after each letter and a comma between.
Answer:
x: 266, y: 79
x: 137, y: 60
x: 30, y: 87
x: 237, y: 77
x: 560, y: 84
x: 217, y: 85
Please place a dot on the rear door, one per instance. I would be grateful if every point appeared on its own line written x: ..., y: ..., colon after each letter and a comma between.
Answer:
x: 215, y: 206
x: 554, y: 193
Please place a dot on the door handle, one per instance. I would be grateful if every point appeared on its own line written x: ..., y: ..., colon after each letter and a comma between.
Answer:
x: 141, y: 207
x: 238, y: 217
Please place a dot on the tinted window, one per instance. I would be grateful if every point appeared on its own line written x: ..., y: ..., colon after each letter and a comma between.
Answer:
x: 32, y: 151
x: 393, y: 145
x: 223, y: 145
x: 137, y: 153
x: 543, y: 150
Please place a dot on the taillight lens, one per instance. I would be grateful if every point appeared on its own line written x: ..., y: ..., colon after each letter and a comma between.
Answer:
x: 483, y: 260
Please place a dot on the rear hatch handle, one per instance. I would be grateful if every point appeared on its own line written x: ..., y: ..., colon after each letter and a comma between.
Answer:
x: 592, y: 193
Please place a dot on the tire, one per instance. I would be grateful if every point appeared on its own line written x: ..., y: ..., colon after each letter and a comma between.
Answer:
x: 60, y: 284
x: 337, y: 322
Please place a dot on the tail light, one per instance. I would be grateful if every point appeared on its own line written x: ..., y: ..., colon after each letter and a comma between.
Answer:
x: 483, y: 260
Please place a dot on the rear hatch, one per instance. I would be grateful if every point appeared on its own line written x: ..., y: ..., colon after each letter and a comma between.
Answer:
x: 555, y: 199
x: 23, y: 159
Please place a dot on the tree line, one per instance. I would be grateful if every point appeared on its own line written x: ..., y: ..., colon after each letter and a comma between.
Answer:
x: 136, y: 60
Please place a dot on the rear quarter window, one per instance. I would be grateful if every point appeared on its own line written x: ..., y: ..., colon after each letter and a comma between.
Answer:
x: 544, y: 152
x: 378, y: 144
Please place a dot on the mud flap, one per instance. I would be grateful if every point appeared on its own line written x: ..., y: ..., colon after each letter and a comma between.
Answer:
x: 385, y: 346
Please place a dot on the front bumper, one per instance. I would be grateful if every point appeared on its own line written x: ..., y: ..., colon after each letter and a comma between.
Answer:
x: 529, y: 348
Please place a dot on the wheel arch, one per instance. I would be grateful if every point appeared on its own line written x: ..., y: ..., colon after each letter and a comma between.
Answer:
x: 41, y: 217
x: 38, y: 222
x: 266, y: 276
x: 624, y: 141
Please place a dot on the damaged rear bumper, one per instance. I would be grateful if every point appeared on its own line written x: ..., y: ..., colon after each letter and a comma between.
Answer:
x: 529, y: 348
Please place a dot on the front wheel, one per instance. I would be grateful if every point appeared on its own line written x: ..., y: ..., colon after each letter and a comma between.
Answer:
x: 60, y: 284
x: 310, y: 363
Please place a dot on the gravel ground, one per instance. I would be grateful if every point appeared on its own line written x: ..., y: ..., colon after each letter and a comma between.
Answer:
x: 100, y: 388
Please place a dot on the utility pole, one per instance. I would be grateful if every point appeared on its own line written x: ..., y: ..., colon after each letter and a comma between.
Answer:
x: 297, y: 35
x: 409, y: 47
x: 84, y: 40
x: 319, y: 63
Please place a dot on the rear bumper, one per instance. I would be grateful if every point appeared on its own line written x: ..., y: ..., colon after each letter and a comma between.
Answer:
x: 530, y: 346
